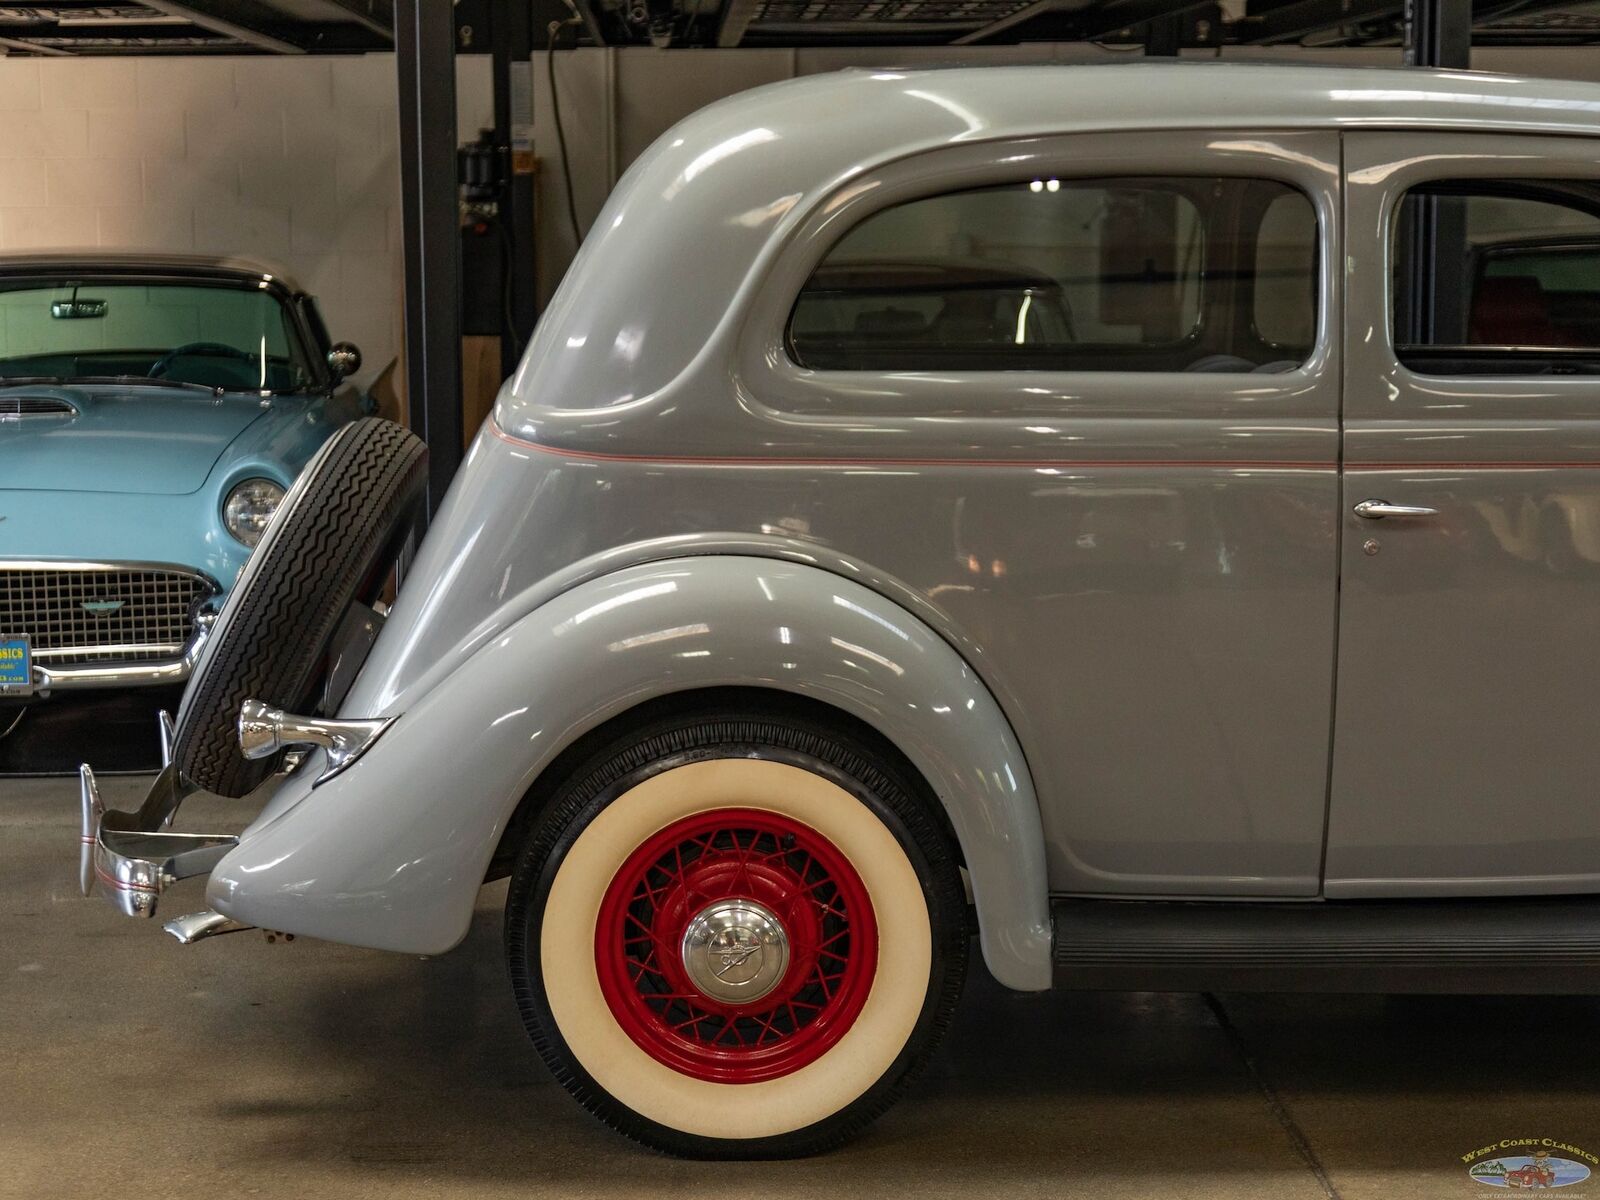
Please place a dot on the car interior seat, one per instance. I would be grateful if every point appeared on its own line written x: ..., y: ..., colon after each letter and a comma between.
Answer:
x: 1513, y: 310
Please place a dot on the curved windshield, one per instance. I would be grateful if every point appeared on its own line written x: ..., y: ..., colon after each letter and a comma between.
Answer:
x: 215, y: 336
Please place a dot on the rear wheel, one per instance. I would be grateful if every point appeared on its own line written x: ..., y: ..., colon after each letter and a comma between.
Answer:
x: 736, y: 936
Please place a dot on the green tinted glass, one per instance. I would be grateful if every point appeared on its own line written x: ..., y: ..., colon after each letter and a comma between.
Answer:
x: 233, y: 338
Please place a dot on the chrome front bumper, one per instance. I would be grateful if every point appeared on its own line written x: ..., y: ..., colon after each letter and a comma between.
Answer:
x: 48, y: 679
x: 167, y: 612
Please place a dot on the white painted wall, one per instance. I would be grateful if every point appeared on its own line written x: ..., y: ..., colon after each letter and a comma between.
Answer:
x: 288, y: 159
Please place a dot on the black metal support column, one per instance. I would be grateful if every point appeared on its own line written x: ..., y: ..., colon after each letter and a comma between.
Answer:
x: 1164, y: 36
x: 1438, y: 33
x: 425, y: 51
x: 513, y: 127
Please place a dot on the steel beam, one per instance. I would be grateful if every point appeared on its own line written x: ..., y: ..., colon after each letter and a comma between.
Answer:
x: 511, y: 28
x: 32, y: 48
x: 199, y: 16
x: 1438, y: 33
x: 1292, y: 21
x: 1038, y: 7
x: 735, y: 21
x: 425, y: 56
x: 1126, y: 14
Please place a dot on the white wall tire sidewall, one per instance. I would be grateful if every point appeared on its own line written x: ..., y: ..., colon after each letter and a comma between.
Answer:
x: 747, y: 1110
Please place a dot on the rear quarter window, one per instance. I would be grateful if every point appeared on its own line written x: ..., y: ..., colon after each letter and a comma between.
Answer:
x: 1123, y: 274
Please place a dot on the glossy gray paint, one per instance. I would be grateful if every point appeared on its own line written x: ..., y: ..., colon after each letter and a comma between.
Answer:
x: 1247, y: 561
x: 1465, y: 753
x: 1141, y: 571
x: 1169, y: 596
x: 336, y: 862
x: 647, y: 310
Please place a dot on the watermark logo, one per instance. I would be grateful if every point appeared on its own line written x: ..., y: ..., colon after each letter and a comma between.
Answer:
x: 1528, y: 1164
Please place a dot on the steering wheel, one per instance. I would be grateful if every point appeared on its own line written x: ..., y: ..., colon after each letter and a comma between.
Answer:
x: 207, y: 349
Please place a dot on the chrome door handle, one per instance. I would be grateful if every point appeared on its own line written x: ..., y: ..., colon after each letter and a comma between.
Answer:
x: 1376, y: 510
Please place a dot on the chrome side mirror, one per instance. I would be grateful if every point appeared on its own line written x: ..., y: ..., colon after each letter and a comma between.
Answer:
x: 344, y: 360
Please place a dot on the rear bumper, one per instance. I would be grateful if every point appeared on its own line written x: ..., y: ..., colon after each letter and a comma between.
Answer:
x: 131, y: 856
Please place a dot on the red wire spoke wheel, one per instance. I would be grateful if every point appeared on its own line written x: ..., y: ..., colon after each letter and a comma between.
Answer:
x: 736, y: 945
x: 734, y: 933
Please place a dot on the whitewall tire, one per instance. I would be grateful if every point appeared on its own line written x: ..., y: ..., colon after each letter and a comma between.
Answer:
x: 736, y: 934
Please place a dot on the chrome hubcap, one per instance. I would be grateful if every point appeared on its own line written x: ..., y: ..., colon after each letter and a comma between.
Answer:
x: 735, y: 951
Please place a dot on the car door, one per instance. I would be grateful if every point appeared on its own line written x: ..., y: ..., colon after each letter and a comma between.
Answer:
x: 1465, y: 748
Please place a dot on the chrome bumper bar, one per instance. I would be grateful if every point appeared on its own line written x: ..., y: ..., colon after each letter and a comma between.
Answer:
x: 111, y: 675
x: 134, y: 858
x: 150, y: 673
x: 131, y: 855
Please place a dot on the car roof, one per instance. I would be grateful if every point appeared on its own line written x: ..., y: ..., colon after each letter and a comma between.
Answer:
x: 645, y: 304
x: 1018, y: 100
x: 122, y: 262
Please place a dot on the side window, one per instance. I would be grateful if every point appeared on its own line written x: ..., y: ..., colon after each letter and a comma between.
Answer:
x: 1498, y: 278
x: 1124, y: 274
x: 1286, y: 277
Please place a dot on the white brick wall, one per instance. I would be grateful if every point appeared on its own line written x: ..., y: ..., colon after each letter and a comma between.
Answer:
x: 288, y: 159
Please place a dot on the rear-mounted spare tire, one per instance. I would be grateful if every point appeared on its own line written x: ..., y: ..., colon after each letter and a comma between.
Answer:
x: 332, y: 542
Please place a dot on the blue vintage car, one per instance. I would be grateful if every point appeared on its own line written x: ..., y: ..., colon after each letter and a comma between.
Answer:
x: 153, y: 412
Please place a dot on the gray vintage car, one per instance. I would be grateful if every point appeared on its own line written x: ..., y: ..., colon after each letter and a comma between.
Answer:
x: 1086, y: 507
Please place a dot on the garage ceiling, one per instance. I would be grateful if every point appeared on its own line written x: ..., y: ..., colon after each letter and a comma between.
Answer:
x: 198, y: 27
x: 352, y: 26
x: 1172, y: 23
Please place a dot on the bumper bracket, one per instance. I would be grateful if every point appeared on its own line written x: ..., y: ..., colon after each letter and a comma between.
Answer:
x: 131, y: 855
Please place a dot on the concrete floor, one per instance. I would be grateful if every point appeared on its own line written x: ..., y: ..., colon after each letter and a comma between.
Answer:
x: 130, y: 1065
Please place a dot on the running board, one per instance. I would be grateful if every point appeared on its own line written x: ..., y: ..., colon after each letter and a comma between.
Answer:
x: 1495, y: 946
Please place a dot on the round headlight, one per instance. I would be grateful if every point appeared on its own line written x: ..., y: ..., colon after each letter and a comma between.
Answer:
x: 249, y: 507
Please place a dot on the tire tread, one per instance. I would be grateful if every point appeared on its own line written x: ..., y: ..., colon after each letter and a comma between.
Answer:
x: 271, y: 643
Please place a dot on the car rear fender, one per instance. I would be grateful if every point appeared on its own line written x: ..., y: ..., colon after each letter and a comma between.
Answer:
x: 391, y: 852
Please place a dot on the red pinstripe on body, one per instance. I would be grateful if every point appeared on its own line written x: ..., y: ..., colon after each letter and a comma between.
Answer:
x: 1078, y: 463
x: 784, y: 461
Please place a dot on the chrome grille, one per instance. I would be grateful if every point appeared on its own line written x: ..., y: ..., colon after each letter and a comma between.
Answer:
x: 14, y: 407
x: 84, y: 613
